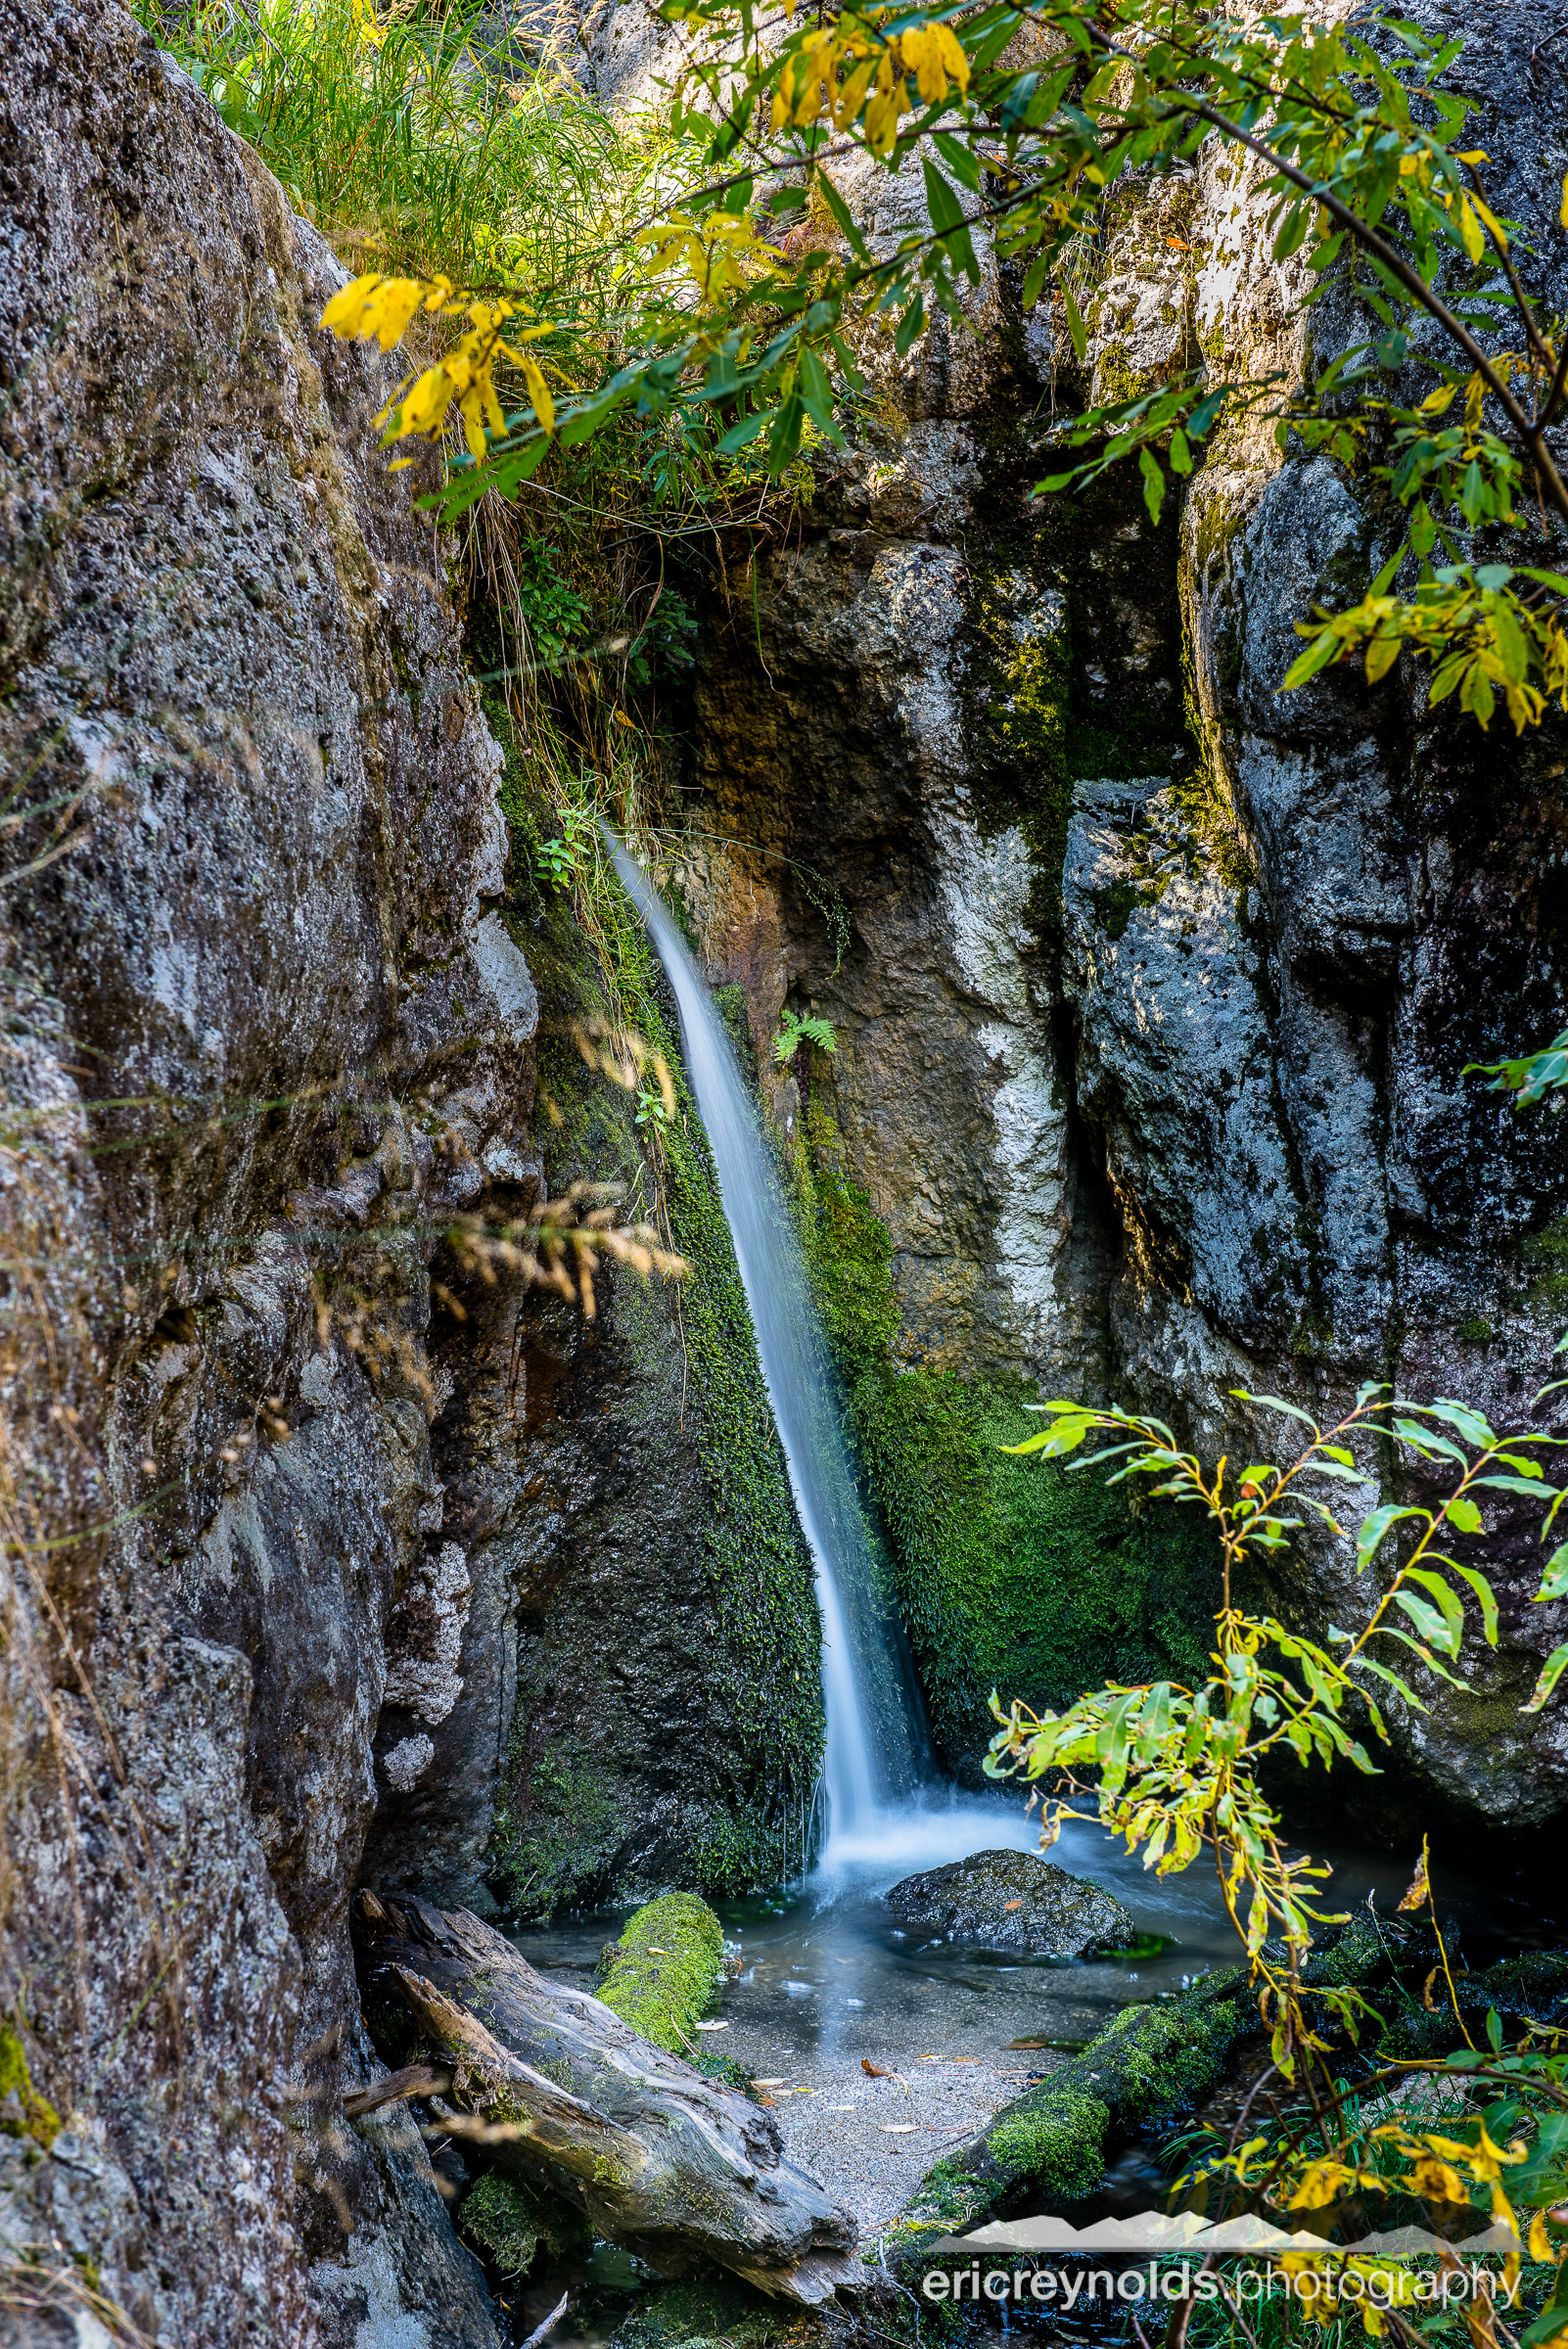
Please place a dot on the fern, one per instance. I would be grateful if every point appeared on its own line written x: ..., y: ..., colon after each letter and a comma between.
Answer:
x: 796, y: 1030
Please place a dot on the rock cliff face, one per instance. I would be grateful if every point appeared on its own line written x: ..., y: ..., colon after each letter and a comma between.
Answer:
x: 337, y: 1557
x: 261, y: 1038
x: 1158, y: 984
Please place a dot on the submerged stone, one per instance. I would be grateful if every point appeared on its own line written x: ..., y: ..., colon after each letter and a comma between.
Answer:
x: 1015, y: 1902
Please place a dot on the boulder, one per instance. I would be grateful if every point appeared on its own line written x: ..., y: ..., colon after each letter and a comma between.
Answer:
x: 1014, y: 1902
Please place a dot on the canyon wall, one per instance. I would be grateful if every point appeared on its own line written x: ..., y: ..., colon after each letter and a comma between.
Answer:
x: 1153, y: 987
x: 282, y: 1534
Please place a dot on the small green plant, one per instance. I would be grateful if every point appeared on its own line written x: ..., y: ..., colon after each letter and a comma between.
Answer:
x: 797, y: 1028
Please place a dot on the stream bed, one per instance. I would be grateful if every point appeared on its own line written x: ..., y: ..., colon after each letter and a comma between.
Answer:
x: 829, y: 1983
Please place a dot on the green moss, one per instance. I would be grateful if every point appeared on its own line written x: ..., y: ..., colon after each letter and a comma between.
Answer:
x: 1546, y: 1258
x: 510, y: 2220
x: 730, y: 1003
x: 714, y: 2313
x: 24, y: 2112
x: 1146, y: 2073
x: 1009, y: 1575
x: 1059, y: 2145
x: 564, y: 1839
x: 661, y: 1975
x: 1475, y: 1332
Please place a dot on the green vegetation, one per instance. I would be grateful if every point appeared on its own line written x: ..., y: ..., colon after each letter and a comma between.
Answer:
x: 510, y: 2219
x: 24, y: 2112
x: 661, y: 1974
x: 1006, y: 1579
x: 714, y: 2312
x: 418, y: 139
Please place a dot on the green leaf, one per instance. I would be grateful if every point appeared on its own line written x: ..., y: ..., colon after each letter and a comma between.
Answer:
x: 1554, y: 1575
x: 1074, y: 324
x: 1485, y: 1594
x: 1427, y: 1621
x: 1391, y: 1679
x: 1180, y: 452
x: 1452, y: 1612
x: 1463, y: 1515
x: 947, y: 219
x: 1153, y: 483
x: 843, y: 217
x: 740, y: 434
x: 960, y: 160
x: 910, y: 324
x: 1551, y: 1672
x: 1306, y: 664
x: 1375, y: 1527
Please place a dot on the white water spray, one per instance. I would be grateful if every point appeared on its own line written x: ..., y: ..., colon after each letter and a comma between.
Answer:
x: 878, y: 1753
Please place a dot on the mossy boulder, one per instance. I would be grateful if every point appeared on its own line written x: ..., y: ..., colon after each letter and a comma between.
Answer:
x: 661, y: 1975
x: 1014, y: 1900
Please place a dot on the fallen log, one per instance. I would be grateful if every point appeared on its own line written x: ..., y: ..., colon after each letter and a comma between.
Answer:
x: 674, y: 2167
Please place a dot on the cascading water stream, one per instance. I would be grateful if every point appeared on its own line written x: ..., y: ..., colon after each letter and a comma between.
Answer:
x: 878, y: 1753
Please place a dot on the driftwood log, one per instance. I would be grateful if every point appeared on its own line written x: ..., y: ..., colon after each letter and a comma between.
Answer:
x: 552, y: 2085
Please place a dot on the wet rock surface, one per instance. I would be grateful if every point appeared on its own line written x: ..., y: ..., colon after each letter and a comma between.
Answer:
x: 1012, y: 1901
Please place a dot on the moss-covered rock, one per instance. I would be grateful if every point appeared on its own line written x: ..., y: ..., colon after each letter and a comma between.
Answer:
x: 1010, y: 1575
x: 667, y: 1727
x: 661, y: 1974
x: 712, y: 2313
x: 1012, y: 1899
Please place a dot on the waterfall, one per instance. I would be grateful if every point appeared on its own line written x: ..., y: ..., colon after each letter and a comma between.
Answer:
x: 878, y: 1753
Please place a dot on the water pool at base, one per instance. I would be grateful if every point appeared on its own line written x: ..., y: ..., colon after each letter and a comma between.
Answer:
x: 825, y: 1969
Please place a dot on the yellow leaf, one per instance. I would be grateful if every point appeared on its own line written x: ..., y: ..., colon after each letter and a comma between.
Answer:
x: 1471, y: 235
x: 951, y: 53
x: 852, y: 95
x: 1420, y: 1891
x: 538, y: 392
x: 1476, y: 155
x: 1541, y: 2243
x: 1381, y: 654
x: 341, y: 316
x: 1563, y: 215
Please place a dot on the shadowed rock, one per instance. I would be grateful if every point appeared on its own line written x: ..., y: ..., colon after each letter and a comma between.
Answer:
x: 1015, y: 1902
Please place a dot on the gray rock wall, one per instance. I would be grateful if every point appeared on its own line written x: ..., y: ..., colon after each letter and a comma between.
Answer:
x: 261, y: 1041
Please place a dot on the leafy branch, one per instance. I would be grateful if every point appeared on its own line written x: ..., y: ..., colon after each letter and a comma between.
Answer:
x: 1175, y: 1770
